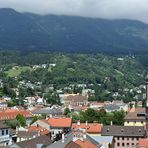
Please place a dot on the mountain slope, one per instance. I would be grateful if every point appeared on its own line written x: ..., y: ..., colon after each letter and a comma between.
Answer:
x: 25, y: 31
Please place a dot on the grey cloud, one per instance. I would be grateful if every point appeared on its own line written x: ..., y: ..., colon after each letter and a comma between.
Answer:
x: 132, y: 9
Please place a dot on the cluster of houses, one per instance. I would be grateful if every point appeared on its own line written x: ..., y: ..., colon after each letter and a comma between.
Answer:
x: 59, y: 131
x: 56, y: 130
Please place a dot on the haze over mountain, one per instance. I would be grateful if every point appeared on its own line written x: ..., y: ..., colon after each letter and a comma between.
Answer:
x: 26, y: 31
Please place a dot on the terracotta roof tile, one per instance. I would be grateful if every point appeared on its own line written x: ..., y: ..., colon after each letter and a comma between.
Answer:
x: 77, y: 98
x: 90, y: 127
x: 40, y: 129
x: 60, y: 122
x: 72, y: 144
x: 143, y: 143
x: 85, y: 144
x: 12, y: 115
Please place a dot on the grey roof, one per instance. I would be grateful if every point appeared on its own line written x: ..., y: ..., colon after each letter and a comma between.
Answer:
x: 60, y: 144
x: 68, y: 139
x: 101, y: 139
x: 27, y: 134
x: 43, y: 140
x: 134, y: 115
x: 127, y: 131
x: 3, y: 125
x: 112, y: 107
x: 53, y: 111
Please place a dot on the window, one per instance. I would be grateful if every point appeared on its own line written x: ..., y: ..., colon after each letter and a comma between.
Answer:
x: 132, y: 138
x: 137, y: 139
x: 2, y: 132
x: 122, y: 144
x: 127, y: 138
x: 118, y: 144
x: 133, y: 144
x: 141, y: 122
x: 127, y: 144
x: 122, y: 138
x: 118, y: 138
x: 6, y: 132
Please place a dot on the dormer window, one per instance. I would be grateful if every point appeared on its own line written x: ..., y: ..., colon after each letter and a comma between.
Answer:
x: 139, y: 130
x: 108, y: 130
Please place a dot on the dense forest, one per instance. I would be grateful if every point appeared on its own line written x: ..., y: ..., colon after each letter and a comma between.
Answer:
x: 38, y: 71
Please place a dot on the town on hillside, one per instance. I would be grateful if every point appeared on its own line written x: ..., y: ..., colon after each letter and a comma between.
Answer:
x: 75, y: 123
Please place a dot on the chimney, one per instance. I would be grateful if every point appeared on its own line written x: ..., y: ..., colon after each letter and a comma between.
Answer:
x: 17, y: 129
x: 111, y: 123
x: 78, y: 122
x: 63, y: 138
x: 86, y: 123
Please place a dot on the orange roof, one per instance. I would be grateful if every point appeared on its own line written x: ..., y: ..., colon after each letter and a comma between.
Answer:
x: 12, y: 115
x: 85, y: 144
x: 42, y: 130
x: 90, y: 127
x: 60, y: 122
x: 142, y: 143
x: 10, y: 110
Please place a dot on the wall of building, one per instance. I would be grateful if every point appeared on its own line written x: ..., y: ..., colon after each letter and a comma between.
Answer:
x: 5, y: 138
x: 134, y: 123
x: 126, y: 142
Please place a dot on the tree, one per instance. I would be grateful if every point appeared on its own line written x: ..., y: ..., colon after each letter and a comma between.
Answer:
x: 66, y: 111
x: 21, y: 119
x: 118, y: 117
x: 12, y: 123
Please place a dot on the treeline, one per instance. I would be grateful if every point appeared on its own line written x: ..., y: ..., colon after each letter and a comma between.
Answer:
x: 108, y: 74
x: 91, y: 115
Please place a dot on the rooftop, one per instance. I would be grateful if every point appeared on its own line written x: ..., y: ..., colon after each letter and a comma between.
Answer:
x: 86, y: 144
x: 90, y: 127
x: 12, y: 115
x: 72, y: 144
x: 133, y: 114
x: 27, y: 134
x: 60, y: 122
x: 40, y: 129
x: 43, y: 140
x: 2, y: 125
x: 143, y: 143
x: 129, y: 131
x: 76, y: 98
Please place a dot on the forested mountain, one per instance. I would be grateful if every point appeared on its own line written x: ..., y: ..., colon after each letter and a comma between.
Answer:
x: 25, y: 31
x: 35, y: 72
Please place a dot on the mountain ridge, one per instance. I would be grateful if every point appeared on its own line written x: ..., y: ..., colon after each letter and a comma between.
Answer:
x: 27, y: 31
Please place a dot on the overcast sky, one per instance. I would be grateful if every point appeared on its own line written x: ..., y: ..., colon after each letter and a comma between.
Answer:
x: 132, y: 9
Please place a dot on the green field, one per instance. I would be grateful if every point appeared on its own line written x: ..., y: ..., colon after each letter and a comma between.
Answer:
x: 14, y: 72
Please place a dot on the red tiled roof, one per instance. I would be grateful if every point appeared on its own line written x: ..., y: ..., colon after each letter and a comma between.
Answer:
x: 12, y: 115
x: 40, y: 129
x: 143, y: 143
x: 90, y: 127
x: 86, y: 144
x: 60, y: 122
x: 10, y: 110
x: 76, y: 98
